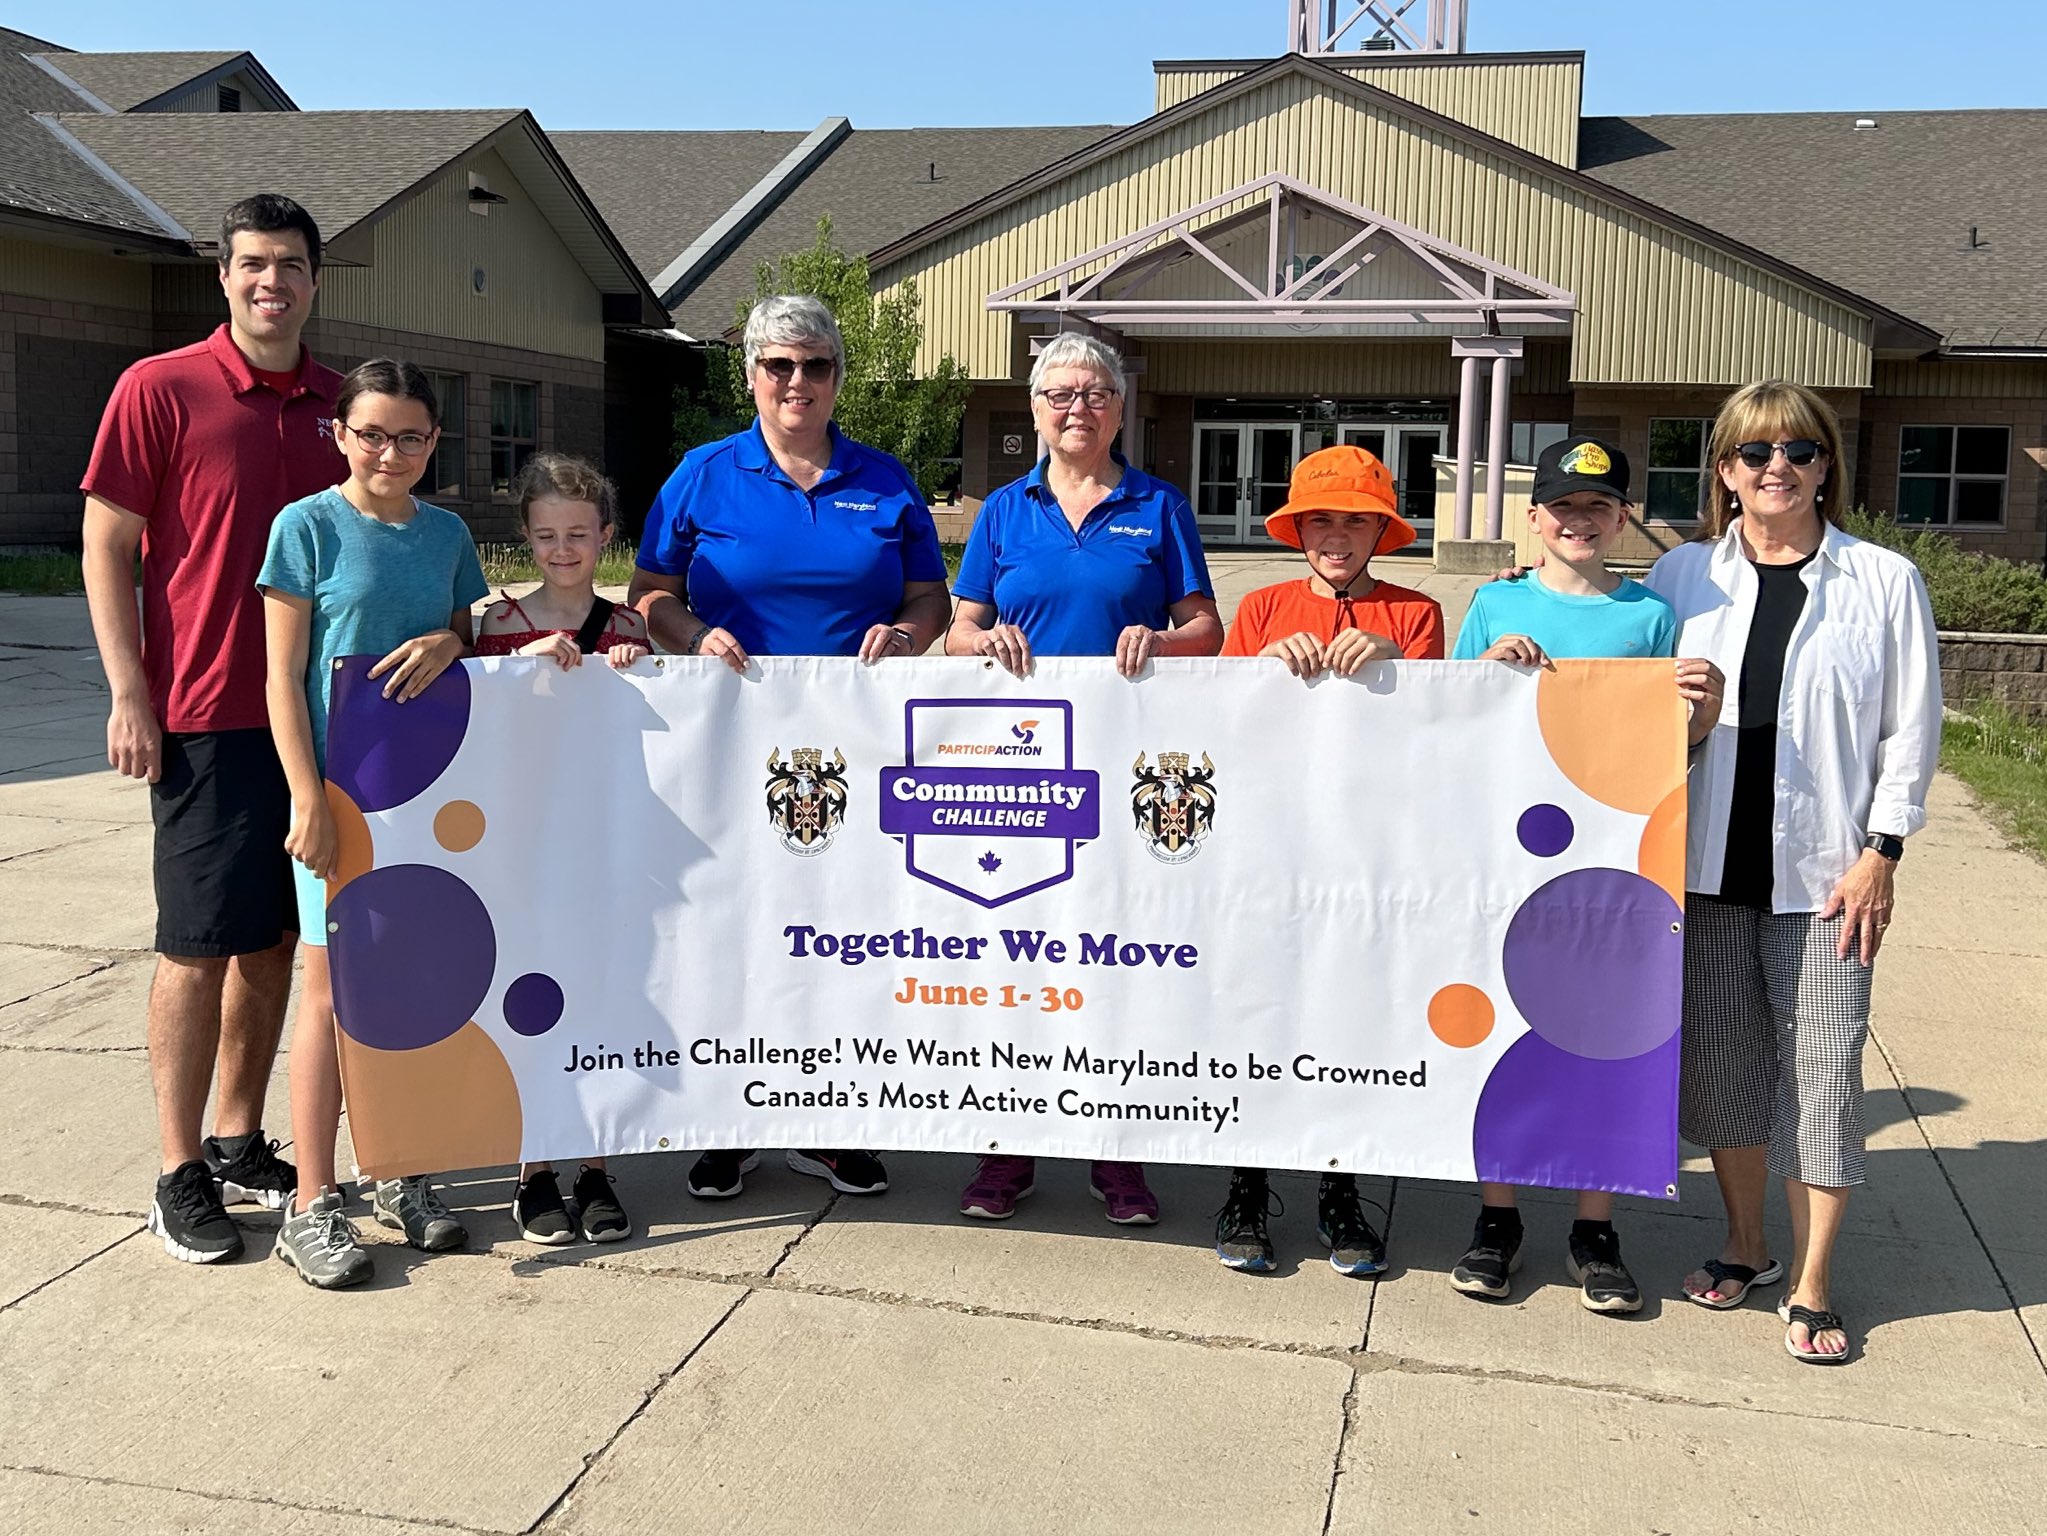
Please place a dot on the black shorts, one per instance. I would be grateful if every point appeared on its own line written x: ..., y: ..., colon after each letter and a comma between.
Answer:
x: 223, y: 880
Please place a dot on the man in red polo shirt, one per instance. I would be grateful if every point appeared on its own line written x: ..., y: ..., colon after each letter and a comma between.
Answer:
x: 197, y: 452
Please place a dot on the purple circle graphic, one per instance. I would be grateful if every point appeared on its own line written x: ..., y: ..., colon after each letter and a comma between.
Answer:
x: 533, y: 1004
x: 412, y: 954
x: 1545, y: 830
x: 1549, y: 1118
x: 1594, y: 961
x: 384, y: 753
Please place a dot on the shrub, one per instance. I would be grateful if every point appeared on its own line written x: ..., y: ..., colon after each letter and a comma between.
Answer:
x: 1969, y: 591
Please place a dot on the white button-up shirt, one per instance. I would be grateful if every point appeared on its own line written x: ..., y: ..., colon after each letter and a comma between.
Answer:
x: 1858, y: 720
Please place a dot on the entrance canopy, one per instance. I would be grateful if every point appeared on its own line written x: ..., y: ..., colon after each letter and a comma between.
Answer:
x: 1278, y: 257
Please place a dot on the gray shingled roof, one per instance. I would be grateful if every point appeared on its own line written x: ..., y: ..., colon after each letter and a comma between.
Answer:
x: 125, y: 80
x: 343, y: 166
x: 660, y: 190
x: 1885, y: 211
x: 876, y: 187
x: 38, y: 172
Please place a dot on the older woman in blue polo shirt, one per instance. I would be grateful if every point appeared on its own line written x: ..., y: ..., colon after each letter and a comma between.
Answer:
x: 1084, y: 556
x: 791, y: 539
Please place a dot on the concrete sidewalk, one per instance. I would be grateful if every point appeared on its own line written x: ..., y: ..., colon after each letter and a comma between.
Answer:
x: 793, y: 1361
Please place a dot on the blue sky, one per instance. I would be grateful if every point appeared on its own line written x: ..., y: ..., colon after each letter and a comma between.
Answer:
x: 905, y: 63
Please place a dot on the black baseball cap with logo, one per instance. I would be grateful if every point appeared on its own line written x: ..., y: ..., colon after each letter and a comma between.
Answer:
x: 1581, y: 464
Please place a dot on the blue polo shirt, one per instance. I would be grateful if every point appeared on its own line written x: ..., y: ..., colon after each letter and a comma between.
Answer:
x: 791, y: 572
x: 1073, y: 593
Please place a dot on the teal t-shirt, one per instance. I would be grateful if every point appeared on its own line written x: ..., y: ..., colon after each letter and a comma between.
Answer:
x: 373, y: 585
x: 1628, y: 621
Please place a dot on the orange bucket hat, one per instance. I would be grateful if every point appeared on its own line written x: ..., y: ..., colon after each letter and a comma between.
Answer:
x: 1342, y: 479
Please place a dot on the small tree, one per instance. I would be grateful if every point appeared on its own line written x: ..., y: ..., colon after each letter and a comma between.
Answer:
x: 882, y: 402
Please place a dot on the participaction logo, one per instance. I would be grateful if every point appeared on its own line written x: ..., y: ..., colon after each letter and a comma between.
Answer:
x: 1023, y: 731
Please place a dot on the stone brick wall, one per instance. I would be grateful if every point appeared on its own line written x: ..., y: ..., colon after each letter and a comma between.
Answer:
x: 2009, y: 668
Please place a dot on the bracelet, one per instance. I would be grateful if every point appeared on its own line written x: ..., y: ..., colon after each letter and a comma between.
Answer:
x: 909, y: 640
x: 694, y: 645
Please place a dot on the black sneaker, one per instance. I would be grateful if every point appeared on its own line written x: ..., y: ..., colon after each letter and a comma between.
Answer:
x: 1241, y: 1238
x: 851, y: 1173
x: 251, y: 1173
x: 1354, y: 1244
x: 188, y: 1216
x: 716, y: 1175
x: 1603, y: 1280
x: 604, y: 1219
x: 538, y: 1211
x: 1495, y: 1253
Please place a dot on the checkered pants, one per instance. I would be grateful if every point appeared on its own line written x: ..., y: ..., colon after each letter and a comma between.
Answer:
x: 1774, y: 1023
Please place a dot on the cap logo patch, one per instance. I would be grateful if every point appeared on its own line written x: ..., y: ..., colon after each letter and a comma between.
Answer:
x: 1586, y: 459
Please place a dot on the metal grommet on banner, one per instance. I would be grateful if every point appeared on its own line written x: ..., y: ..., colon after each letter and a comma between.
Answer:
x: 1332, y: 1162
x: 336, y: 663
x: 658, y: 662
x: 1670, y: 1190
x: 993, y: 1145
x: 334, y: 927
x: 1677, y: 928
x: 664, y: 1141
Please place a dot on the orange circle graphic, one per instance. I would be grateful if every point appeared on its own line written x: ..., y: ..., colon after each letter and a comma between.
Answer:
x: 1461, y: 1015
x: 458, y: 826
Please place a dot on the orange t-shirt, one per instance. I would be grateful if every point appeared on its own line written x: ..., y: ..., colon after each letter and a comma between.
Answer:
x: 1411, y: 620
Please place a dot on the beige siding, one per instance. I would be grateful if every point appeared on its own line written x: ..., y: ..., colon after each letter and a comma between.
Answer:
x: 1962, y: 379
x: 70, y: 272
x: 1292, y: 369
x: 1532, y: 104
x: 537, y: 296
x: 1655, y: 305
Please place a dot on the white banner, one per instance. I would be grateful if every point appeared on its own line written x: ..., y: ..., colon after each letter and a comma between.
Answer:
x: 1425, y: 921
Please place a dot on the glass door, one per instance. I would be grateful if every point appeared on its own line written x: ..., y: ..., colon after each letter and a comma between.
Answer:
x: 1243, y: 471
x: 1409, y: 452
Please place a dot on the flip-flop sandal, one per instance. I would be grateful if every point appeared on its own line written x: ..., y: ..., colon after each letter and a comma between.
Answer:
x: 1748, y: 1279
x: 1816, y: 1322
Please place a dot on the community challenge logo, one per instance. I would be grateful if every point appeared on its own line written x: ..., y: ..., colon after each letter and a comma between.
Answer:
x: 806, y: 798
x: 989, y: 805
x: 1174, y: 805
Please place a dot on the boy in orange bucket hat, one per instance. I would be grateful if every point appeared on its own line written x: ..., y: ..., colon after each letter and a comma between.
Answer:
x: 1341, y: 510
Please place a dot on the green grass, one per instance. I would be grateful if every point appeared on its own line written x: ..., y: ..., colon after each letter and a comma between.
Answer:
x: 2003, y: 758
x: 504, y: 564
x: 952, y: 553
x: 42, y: 572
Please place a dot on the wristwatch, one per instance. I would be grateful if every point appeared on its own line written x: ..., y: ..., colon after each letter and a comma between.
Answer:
x: 909, y: 640
x: 1892, y: 848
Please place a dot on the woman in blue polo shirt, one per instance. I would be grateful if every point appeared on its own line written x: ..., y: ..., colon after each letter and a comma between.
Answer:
x: 1084, y: 556
x: 790, y: 539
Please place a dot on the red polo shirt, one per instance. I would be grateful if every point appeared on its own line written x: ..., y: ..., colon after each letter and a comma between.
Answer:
x: 196, y: 443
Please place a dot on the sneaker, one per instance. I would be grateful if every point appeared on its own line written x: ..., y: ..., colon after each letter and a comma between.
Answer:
x: 253, y: 1173
x: 1495, y: 1253
x: 319, y: 1242
x: 538, y: 1211
x: 1121, y: 1188
x: 604, y: 1219
x: 188, y: 1216
x: 716, y: 1175
x: 851, y: 1173
x: 1241, y: 1238
x: 1354, y: 1244
x: 998, y: 1183
x: 1603, y: 1280
x: 411, y: 1205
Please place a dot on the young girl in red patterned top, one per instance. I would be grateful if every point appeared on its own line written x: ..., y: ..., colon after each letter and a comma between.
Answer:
x: 565, y: 506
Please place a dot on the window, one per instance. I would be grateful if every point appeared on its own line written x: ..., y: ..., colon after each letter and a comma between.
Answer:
x: 1950, y: 475
x: 1677, y: 468
x: 514, y: 421
x: 1527, y: 439
x: 447, y: 473
x: 227, y: 98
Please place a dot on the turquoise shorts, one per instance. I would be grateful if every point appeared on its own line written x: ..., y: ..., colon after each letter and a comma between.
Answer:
x: 311, y: 892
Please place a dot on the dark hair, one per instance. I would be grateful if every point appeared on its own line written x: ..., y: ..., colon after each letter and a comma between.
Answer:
x: 269, y: 213
x: 386, y: 376
x: 570, y: 478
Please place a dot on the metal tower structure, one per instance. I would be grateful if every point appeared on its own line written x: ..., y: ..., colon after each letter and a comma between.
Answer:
x: 1322, y: 27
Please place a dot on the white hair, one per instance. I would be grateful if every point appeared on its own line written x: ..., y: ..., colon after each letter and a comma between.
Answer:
x: 788, y: 319
x: 1072, y: 349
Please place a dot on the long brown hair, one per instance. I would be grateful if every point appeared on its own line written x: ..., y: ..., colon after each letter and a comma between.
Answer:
x: 1773, y: 410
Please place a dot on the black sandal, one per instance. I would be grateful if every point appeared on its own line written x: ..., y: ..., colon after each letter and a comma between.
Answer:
x: 1748, y: 1279
x: 1817, y: 1321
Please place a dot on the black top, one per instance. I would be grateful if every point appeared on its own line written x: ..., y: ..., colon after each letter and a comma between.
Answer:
x: 1746, y: 874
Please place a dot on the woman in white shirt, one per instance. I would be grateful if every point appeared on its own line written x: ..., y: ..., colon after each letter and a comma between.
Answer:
x: 1800, y: 803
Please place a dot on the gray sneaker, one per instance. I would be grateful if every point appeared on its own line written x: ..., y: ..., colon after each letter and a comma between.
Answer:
x: 319, y: 1242
x: 411, y: 1206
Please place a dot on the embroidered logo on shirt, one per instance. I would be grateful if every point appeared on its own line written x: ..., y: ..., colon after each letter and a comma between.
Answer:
x: 857, y: 506
x: 1142, y: 533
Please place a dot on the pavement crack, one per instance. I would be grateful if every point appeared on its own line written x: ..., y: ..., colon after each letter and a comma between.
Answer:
x: 646, y: 1401
x: 31, y: 1203
x: 809, y: 1226
x: 71, y: 1269
x: 72, y: 1050
x: 418, y: 1522
x: 104, y: 965
x: 1350, y: 1419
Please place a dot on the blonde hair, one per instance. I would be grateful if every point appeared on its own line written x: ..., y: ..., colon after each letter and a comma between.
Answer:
x: 570, y: 478
x: 1773, y: 410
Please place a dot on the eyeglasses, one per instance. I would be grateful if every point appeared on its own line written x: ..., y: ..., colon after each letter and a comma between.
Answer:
x: 1063, y: 399
x: 815, y: 370
x: 411, y: 444
x: 1800, y: 451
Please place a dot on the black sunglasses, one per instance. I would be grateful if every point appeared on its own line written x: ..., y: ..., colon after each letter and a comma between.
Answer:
x: 1799, y: 452
x: 815, y: 370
